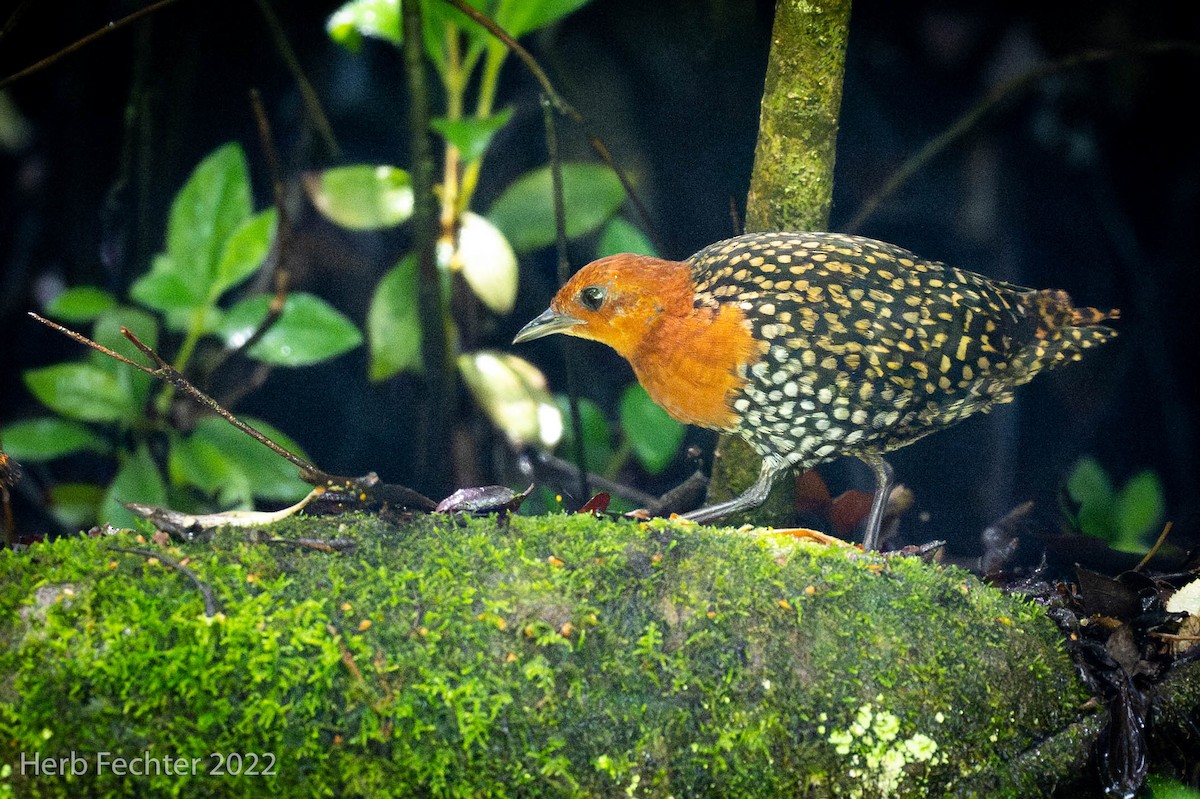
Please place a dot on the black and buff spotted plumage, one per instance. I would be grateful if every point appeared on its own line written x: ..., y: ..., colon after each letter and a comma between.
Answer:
x: 815, y: 345
x: 866, y: 347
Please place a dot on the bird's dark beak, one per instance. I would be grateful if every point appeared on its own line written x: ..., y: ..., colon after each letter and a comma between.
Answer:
x: 549, y: 322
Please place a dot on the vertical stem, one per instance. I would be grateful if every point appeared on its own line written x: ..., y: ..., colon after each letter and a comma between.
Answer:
x: 434, y: 346
x: 488, y: 82
x: 312, y: 104
x: 564, y: 272
x: 455, y: 83
x: 791, y: 186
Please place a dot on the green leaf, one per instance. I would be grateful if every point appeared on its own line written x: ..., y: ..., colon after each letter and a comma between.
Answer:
x: 471, y: 136
x: 1138, y: 507
x: 244, y: 252
x: 525, y: 211
x: 308, y: 331
x: 49, y: 437
x: 597, y: 438
x: 269, y: 475
x: 520, y: 17
x: 222, y: 460
x: 621, y: 236
x: 362, y: 196
x: 209, y: 208
x: 137, y: 480
x: 378, y: 19
x: 80, y: 304
x: 75, y: 505
x: 512, y: 392
x: 82, y: 390
x: 394, y: 322
x: 654, y: 436
x: 1091, y: 489
x: 437, y: 15
x: 164, y: 288
x: 107, y: 332
x: 196, y: 461
x: 488, y: 263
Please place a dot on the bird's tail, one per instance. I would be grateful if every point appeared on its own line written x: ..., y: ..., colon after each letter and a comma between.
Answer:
x: 1063, y: 331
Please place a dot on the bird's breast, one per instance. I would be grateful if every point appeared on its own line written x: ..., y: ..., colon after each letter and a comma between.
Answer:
x: 694, y: 364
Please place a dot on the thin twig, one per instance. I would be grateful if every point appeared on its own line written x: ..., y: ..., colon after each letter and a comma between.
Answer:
x: 13, y: 17
x: 169, y: 374
x: 272, y: 265
x: 566, y: 109
x: 266, y: 140
x: 360, y: 490
x: 548, y: 468
x: 312, y: 104
x: 86, y: 40
x: 211, y: 607
x: 564, y: 273
x: 1154, y: 549
x: 735, y: 218
x: 970, y: 120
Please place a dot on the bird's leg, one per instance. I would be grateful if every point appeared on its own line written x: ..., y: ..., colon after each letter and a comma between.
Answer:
x: 751, y: 498
x: 883, y: 489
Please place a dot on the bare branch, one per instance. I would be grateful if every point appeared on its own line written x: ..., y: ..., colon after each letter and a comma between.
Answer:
x: 974, y: 116
x: 86, y: 40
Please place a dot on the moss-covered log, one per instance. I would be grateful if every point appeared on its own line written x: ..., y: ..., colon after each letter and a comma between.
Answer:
x: 558, y: 656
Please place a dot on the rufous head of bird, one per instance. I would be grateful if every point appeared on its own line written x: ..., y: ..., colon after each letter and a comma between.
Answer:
x: 619, y: 300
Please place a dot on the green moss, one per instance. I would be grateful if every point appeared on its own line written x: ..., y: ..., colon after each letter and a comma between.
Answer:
x: 558, y: 656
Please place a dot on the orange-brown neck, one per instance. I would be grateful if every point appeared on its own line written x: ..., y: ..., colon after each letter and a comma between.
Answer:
x: 690, y: 360
x: 693, y: 365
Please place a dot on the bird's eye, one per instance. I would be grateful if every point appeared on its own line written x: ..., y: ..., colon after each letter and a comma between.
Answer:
x: 592, y: 297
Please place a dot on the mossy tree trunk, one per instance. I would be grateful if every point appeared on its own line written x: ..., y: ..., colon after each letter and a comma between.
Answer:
x: 791, y: 187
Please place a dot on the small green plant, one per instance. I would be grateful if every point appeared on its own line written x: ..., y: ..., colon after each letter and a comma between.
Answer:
x: 214, y: 242
x: 1122, y: 517
x: 480, y: 252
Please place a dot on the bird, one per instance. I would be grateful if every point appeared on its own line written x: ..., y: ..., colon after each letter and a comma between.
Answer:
x: 816, y: 345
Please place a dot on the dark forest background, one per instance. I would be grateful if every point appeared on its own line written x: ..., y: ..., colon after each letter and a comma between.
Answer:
x: 1088, y: 180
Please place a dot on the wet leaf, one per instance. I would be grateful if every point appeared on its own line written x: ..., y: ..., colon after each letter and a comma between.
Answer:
x: 1091, y: 490
x: 483, y: 499
x: 137, y: 480
x: 166, y: 289
x: 378, y: 19
x: 49, y: 437
x: 362, y: 196
x: 621, y: 236
x: 75, y: 504
x: 512, y: 392
x: 471, y: 135
x: 848, y: 510
x: 654, y: 436
x: 520, y: 17
x: 488, y: 263
x: 209, y: 208
x: 82, y: 391
x: 394, y: 322
x: 244, y: 252
x: 308, y: 331
x: 1137, y: 508
x: 597, y: 504
x: 107, y: 332
x: 80, y: 304
x: 525, y: 211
